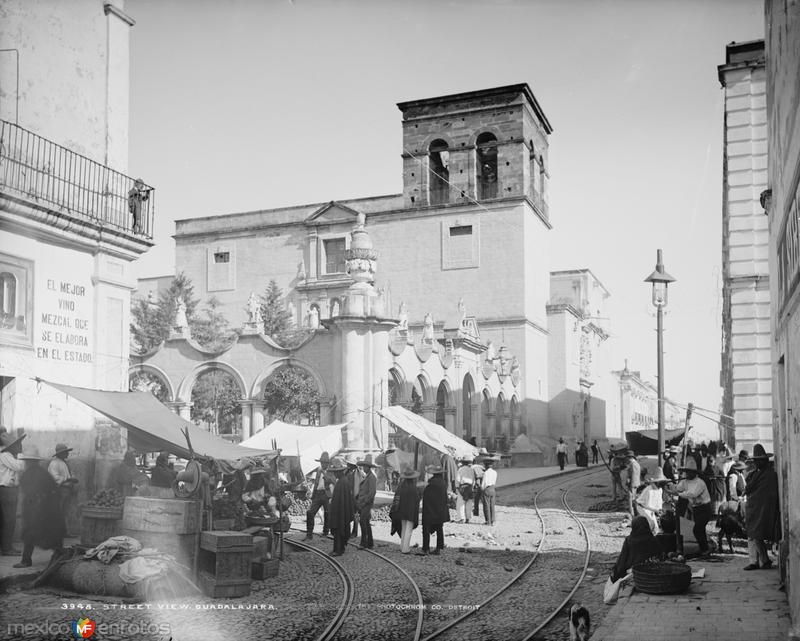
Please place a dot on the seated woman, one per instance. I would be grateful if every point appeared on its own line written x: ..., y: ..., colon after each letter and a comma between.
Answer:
x: 640, y: 545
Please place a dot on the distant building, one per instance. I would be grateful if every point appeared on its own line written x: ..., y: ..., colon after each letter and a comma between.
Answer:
x: 782, y: 205
x: 582, y: 398
x: 638, y: 405
x: 66, y: 223
x: 746, y: 378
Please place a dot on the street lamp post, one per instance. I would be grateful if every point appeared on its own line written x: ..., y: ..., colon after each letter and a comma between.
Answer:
x: 660, y: 280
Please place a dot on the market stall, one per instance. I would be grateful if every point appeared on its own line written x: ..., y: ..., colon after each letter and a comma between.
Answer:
x: 305, y: 441
x: 179, y: 521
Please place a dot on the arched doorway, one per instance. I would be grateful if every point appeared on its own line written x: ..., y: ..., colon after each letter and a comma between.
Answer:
x: 467, y: 391
x: 146, y: 380
x: 442, y: 402
x: 291, y: 396
x: 487, y: 422
x: 215, y: 402
x: 501, y: 426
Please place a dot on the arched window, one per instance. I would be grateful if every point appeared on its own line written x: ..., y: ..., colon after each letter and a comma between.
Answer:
x: 8, y: 294
x: 536, y: 170
x: 486, y: 164
x: 439, y: 172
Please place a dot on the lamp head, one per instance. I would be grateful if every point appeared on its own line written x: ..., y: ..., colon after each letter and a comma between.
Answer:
x: 660, y: 280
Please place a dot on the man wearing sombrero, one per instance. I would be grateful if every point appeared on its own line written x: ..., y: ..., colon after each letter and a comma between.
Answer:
x: 321, y: 493
x: 762, y: 510
x: 365, y: 499
x: 10, y: 469
x: 59, y: 470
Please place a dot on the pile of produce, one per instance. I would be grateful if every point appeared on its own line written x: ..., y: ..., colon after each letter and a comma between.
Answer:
x: 107, y: 498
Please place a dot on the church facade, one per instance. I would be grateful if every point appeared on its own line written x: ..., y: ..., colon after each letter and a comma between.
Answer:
x: 467, y: 237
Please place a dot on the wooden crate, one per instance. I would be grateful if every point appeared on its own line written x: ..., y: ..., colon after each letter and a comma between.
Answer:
x: 226, y: 566
x: 213, y: 587
x: 260, y: 570
x: 225, y: 540
x: 181, y: 546
x: 147, y: 514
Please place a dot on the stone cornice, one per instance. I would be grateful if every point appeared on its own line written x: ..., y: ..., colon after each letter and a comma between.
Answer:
x: 58, y: 228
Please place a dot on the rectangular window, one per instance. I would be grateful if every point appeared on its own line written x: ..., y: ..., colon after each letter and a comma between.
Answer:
x: 334, y: 255
x: 221, y: 268
x: 460, y: 242
x: 461, y: 230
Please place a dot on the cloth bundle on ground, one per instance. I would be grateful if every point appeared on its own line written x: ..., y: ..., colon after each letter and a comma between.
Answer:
x: 109, y: 548
x: 119, y: 567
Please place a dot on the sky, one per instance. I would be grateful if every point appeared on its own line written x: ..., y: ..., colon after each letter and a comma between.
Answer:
x: 252, y: 104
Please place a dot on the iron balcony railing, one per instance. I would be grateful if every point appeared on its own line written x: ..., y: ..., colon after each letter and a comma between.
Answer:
x: 41, y: 170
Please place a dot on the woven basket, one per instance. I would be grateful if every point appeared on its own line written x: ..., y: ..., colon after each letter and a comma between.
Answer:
x: 662, y: 578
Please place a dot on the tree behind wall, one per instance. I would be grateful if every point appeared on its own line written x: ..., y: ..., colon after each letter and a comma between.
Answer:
x: 215, y: 398
x: 151, y: 323
x: 292, y: 397
x: 277, y: 319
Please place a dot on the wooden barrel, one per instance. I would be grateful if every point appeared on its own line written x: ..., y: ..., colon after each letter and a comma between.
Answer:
x: 99, y: 524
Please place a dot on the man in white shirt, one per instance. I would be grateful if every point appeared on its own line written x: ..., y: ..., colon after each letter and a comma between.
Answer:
x: 10, y: 470
x: 489, y: 488
x: 561, y: 453
x: 465, y: 481
x: 694, y: 490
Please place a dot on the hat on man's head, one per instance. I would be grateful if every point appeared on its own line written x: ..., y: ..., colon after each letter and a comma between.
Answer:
x: 61, y: 449
x: 351, y: 459
x: 434, y: 469
x: 491, y: 459
x: 658, y: 477
x: 8, y: 441
x: 31, y: 453
x: 759, y: 453
x: 672, y: 449
x: 324, y: 458
x: 690, y: 465
x: 409, y: 473
x: 367, y: 461
x: 739, y: 466
x: 337, y: 465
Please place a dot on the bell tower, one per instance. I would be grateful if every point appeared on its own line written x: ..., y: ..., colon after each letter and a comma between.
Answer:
x: 476, y: 146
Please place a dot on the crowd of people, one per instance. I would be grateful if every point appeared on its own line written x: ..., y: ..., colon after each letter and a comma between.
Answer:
x: 344, y: 488
x: 699, y: 484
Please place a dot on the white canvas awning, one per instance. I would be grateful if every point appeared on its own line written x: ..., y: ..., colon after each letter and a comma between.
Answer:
x: 428, y: 432
x: 305, y: 441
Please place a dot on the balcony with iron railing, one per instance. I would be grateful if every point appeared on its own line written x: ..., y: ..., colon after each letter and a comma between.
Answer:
x: 35, y: 169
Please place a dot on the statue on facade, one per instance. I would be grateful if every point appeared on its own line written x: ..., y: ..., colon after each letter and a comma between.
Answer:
x: 427, y: 328
x: 254, y: 309
x: 181, y: 322
x: 301, y: 272
x: 491, y: 354
x: 361, y: 220
x: 334, y: 308
x: 462, y: 311
x: 313, y: 317
x: 402, y: 317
